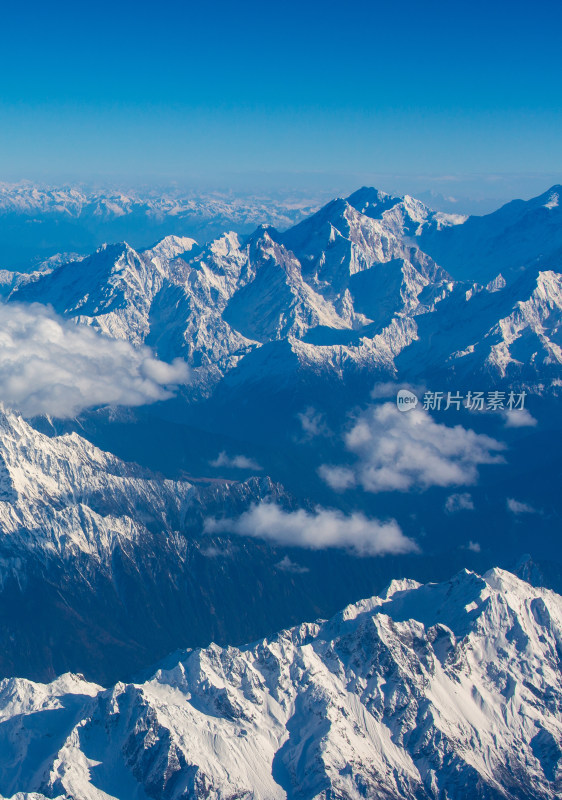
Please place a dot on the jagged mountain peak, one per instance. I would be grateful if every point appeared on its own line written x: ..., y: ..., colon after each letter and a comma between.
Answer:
x: 383, y: 700
x: 372, y: 202
x: 171, y: 247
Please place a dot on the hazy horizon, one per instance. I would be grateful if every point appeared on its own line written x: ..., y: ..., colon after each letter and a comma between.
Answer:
x: 464, y: 194
x: 457, y: 100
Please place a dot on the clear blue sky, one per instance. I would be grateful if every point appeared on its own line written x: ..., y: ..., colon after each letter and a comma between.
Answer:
x: 209, y: 91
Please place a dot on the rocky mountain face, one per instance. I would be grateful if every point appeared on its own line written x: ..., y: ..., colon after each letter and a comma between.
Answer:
x: 428, y: 691
x: 95, y: 552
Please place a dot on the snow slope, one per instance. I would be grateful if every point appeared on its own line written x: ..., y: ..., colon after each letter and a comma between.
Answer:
x: 429, y: 691
x: 94, y: 552
x: 518, y: 235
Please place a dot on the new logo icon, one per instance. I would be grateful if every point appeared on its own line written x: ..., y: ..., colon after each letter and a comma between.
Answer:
x: 406, y: 400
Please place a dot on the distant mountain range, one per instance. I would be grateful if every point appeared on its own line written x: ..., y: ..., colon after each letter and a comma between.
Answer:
x: 37, y: 222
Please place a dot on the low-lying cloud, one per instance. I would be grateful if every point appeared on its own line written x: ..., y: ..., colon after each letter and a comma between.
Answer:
x: 317, y: 530
x: 235, y: 462
x: 519, y: 418
x: 402, y: 451
x: 49, y: 365
x: 459, y: 502
x: 313, y: 423
x: 517, y: 507
x: 286, y: 565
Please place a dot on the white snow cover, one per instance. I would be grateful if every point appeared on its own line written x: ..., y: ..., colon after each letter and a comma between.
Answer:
x: 429, y: 691
x: 346, y: 290
x: 63, y: 495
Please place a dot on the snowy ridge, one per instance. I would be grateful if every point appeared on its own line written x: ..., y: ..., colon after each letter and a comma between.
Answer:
x: 65, y: 498
x: 347, y: 288
x: 71, y: 497
x: 29, y: 200
x: 429, y: 691
x: 519, y: 234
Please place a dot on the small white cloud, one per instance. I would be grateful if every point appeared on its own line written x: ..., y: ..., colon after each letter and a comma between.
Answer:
x: 519, y: 418
x: 474, y: 547
x: 313, y: 423
x: 338, y: 478
x: 389, y: 389
x: 286, y: 565
x: 49, y: 365
x: 516, y: 507
x: 459, y: 502
x: 214, y: 551
x: 323, y: 528
x: 384, y: 391
x: 236, y: 462
x: 399, y: 452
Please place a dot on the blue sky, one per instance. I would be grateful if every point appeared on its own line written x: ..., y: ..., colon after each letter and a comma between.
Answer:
x: 416, y: 93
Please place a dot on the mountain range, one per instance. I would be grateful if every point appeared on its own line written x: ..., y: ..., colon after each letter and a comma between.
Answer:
x: 199, y: 442
x: 428, y: 691
x: 349, y: 290
x: 37, y: 221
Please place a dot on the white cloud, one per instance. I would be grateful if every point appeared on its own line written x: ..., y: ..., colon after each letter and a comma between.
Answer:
x: 519, y: 418
x: 313, y: 423
x: 474, y: 547
x: 316, y: 530
x: 338, y: 478
x: 237, y: 462
x: 389, y: 389
x: 516, y: 507
x: 286, y: 565
x: 459, y: 502
x: 49, y: 365
x: 399, y: 452
x: 214, y: 551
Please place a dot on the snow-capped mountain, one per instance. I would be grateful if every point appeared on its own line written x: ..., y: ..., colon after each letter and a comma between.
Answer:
x: 94, y: 551
x: 428, y: 691
x: 347, y: 291
x: 281, y: 330
x: 519, y: 235
x: 37, y: 221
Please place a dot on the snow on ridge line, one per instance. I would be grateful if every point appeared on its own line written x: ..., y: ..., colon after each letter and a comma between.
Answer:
x: 317, y: 287
x: 421, y: 692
